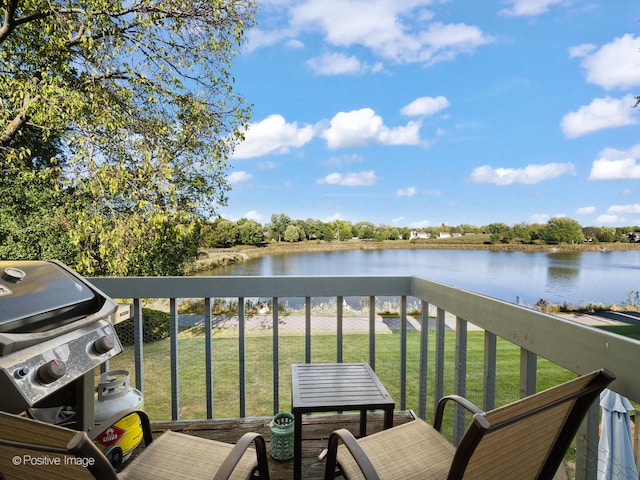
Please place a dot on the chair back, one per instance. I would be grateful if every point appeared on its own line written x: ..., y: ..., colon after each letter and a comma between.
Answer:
x: 527, y: 439
x: 37, y: 450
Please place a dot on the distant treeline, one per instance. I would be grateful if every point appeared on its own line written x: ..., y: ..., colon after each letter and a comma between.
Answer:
x: 282, y: 228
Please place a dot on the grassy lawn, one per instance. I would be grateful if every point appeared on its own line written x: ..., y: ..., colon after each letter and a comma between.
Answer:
x: 259, y: 370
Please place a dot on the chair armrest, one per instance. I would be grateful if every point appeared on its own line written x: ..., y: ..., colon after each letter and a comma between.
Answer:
x: 437, y: 421
x: 358, y: 454
x: 84, y: 448
x: 239, y: 449
x: 94, y: 433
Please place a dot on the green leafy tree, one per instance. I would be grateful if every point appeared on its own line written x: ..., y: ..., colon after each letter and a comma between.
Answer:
x: 278, y: 225
x: 500, y: 232
x: 562, y: 230
x: 222, y: 233
x: 141, y: 94
x: 292, y: 233
x: 250, y: 232
x: 364, y: 230
x: 344, y: 230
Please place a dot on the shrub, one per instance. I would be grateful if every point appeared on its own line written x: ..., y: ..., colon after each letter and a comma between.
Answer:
x: 155, y: 326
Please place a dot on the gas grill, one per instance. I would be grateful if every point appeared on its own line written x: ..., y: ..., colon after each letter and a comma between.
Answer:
x: 55, y: 329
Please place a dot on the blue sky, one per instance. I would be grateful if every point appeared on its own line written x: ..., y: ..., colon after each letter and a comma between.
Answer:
x: 421, y: 112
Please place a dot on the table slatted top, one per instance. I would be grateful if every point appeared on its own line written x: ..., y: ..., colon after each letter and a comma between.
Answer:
x: 329, y: 386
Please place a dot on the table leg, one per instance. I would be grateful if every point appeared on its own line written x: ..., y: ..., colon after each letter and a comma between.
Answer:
x: 388, y: 418
x: 363, y: 423
x: 297, y: 446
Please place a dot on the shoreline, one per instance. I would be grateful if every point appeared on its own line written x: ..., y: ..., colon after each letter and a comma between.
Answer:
x: 212, y: 258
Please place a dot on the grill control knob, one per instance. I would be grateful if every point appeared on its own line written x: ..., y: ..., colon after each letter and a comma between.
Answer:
x: 51, y: 371
x: 103, y: 344
x: 13, y: 275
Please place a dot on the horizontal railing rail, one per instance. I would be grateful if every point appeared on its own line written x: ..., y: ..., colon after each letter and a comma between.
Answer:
x: 573, y: 346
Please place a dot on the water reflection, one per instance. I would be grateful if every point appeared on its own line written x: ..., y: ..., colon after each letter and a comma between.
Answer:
x: 529, y: 276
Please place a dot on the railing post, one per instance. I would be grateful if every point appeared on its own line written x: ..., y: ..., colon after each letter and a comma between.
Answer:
x: 208, y: 346
x: 439, y: 354
x: 175, y: 384
x: 276, y: 360
x: 528, y: 371
x: 307, y: 329
x: 424, y: 362
x: 460, y: 377
x: 587, y: 445
x: 339, y: 339
x: 489, y: 387
x: 372, y: 332
x: 138, y: 342
x: 242, y: 363
x: 403, y: 353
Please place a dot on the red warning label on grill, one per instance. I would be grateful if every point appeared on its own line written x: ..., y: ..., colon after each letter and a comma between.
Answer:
x: 111, y: 436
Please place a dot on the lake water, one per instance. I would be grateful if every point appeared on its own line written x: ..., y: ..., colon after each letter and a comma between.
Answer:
x: 576, y: 278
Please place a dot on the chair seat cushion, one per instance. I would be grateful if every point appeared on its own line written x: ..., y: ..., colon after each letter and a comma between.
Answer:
x: 178, y: 456
x: 426, y: 454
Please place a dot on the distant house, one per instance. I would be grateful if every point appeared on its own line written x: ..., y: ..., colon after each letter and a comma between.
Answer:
x: 415, y: 235
x: 634, y: 237
x: 444, y: 235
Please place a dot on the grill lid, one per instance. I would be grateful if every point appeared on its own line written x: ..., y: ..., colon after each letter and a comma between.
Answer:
x: 38, y: 296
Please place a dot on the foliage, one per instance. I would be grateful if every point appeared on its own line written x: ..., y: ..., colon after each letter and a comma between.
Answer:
x: 34, y: 217
x: 250, y: 232
x: 141, y: 97
x: 292, y: 233
x: 562, y: 230
x: 155, y: 326
x: 278, y: 225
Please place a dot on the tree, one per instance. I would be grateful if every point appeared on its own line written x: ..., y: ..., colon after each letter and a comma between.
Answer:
x: 279, y: 224
x: 222, y: 233
x: 250, y: 232
x: 562, y: 230
x: 500, y: 232
x: 364, y: 230
x: 343, y: 230
x: 141, y: 95
x: 292, y: 233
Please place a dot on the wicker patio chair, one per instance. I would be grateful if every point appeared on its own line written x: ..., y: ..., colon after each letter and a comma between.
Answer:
x: 523, y: 440
x: 30, y: 449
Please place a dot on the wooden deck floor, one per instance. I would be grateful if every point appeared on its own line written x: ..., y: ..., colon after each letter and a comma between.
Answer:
x: 315, y: 433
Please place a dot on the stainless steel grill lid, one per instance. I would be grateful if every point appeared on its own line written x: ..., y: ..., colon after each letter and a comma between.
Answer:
x: 38, y: 296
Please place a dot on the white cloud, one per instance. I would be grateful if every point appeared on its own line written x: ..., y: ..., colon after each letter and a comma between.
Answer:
x: 238, y: 177
x: 269, y: 165
x: 380, y: 26
x: 406, y: 192
x: 272, y: 135
x: 362, y: 127
x: 539, y: 218
x: 611, y: 219
x: 253, y: 215
x: 397, y: 220
x: 340, y: 64
x: 529, y: 7
x: 340, y: 160
x: 425, y: 106
x: 624, y: 209
x: 601, y: 113
x: 614, y: 164
x: 581, y: 50
x: 353, y: 179
x: 585, y: 210
x: 529, y: 175
x: 614, y: 65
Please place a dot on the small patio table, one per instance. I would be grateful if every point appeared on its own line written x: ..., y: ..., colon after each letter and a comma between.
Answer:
x: 335, y: 387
